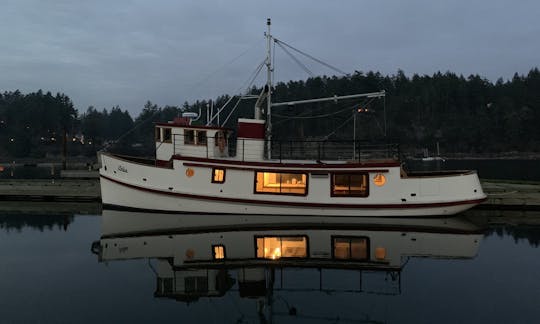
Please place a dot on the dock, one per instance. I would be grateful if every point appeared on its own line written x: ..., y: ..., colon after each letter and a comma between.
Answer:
x: 511, y: 195
x: 73, y: 190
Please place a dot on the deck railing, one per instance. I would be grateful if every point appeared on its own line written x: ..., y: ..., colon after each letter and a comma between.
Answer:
x: 333, y: 150
x: 242, y: 149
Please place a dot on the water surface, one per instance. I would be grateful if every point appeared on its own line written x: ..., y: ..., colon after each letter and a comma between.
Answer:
x: 479, y: 271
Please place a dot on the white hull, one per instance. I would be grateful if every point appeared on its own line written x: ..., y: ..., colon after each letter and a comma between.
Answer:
x: 167, y: 190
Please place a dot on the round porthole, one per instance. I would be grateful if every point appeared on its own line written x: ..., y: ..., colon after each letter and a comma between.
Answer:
x: 190, y: 172
x: 379, y: 180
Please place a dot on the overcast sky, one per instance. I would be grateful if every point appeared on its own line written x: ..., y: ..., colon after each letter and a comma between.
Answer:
x: 125, y: 52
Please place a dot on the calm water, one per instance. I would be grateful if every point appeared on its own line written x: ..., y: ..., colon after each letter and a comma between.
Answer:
x: 159, y: 268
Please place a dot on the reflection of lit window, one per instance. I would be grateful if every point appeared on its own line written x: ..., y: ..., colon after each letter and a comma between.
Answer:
x: 350, y: 184
x: 218, y: 252
x: 281, y: 183
x: 218, y: 175
x: 281, y: 247
x: 189, y: 136
x: 347, y: 248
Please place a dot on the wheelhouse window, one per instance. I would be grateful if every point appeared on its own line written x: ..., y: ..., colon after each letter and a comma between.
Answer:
x: 218, y: 175
x: 281, y: 183
x: 276, y: 247
x: 167, y: 135
x: 350, y: 184
x: 218, y: 252
x: 201, y: 137
x: 195, y: 137
x: 157, y: 133
x: 350, y: 248
x: 189, y: 136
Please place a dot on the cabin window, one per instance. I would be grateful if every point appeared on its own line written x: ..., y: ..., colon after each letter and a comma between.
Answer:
x: 189, y: 136
x: 167, y: 135
x: 276, y: 247
x: 281, y: 183
x: 218, y: 175
x: 218, y: 252
x: 201, y: 137
x: 350, y: 184
x: 350, y: 248
x: 157, y: 135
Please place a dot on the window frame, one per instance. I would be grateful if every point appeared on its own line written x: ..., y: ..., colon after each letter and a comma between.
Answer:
x: 193, y: 136
x: 213, y: 175
x: 306, y: 191
x: 350, y: 237
x: 164, y: 138
x: 198, y: 133
x: 214, y: 246
x: 332, y: 192
x: 157, y: 134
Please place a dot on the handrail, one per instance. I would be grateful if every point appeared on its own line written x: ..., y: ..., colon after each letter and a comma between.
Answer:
x: 241, y: 149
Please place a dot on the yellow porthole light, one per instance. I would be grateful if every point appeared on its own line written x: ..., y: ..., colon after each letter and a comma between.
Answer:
x: 379, y: 180
x: 190, y: 172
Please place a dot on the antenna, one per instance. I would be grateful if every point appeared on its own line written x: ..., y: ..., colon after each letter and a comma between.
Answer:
x: 269, y: 90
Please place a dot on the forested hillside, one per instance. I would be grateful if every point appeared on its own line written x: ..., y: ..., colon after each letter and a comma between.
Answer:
x: 464, y: 114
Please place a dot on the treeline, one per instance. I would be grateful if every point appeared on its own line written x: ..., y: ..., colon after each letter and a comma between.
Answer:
x: 463, y: 114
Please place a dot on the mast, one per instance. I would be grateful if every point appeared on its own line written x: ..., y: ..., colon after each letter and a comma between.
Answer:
x: 268, y: 91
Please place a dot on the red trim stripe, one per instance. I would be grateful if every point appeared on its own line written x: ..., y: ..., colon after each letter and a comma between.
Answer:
x: 299, y: 204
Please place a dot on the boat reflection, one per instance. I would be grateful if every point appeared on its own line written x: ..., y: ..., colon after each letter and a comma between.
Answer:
x: 196, y: 256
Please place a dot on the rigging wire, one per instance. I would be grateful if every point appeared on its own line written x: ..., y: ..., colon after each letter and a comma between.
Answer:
x: 209, y: 75
x: 253, y: 76
x: 313, y: 117
x: 305, y: 68
x: 337, y: 128
x: 311, y: 57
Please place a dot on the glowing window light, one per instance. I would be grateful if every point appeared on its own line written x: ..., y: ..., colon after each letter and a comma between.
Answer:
x: 219, y: 252
x: 379, y: 180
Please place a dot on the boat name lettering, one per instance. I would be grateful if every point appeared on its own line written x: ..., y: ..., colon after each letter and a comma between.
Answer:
x: 123, y: 169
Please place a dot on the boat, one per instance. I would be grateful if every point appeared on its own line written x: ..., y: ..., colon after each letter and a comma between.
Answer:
x: 205, y: 169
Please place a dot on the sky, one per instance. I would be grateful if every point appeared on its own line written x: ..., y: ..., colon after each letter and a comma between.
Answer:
x: 126, y: 52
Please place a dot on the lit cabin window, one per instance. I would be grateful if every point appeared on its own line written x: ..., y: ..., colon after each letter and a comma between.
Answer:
x: 167, y: 135
x: 201, y: 137
x: 218, y: 175
x: 157, y: 135
x: 218, y: 252
x: 350, y: 248
x: 275, y: 247
x: 281, y: 183
x: 189, y: 136
x: 350, y: 184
